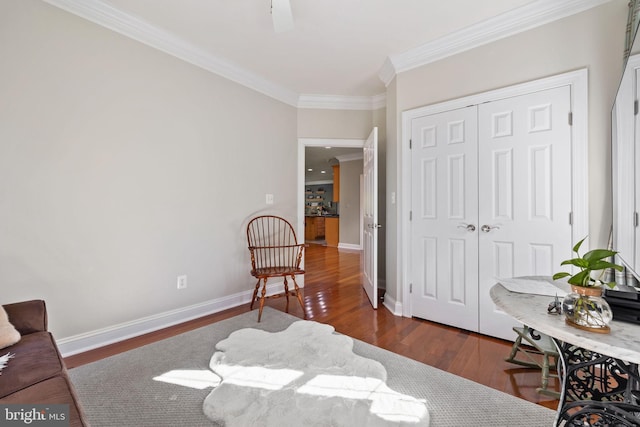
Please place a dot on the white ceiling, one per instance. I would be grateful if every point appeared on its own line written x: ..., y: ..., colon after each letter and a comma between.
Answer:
x: 321, y: 160
x: 336, y: 47
x: 339, y: 49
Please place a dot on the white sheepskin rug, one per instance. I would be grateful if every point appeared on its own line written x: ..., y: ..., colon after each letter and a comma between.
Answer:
x: 4, y: 360
x: 304, y: 376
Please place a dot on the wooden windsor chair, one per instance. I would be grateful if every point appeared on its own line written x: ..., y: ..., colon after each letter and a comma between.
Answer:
x: 275, y: 252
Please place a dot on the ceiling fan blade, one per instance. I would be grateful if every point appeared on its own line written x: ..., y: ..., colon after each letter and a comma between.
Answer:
x: 281, y: 15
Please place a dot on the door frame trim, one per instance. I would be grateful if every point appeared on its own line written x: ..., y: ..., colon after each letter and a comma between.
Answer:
x: 578, y: 83
x: 623, y: 159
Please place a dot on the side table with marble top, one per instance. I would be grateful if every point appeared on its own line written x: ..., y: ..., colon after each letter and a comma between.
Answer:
x: 599, y: 372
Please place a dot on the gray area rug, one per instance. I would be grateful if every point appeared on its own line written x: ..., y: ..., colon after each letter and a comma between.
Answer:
x: 121, y: 390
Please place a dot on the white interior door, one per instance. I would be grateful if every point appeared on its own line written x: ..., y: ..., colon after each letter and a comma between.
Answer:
x: 370, y: 223
x: 444, y: 218
x: 525, y: 193
x: 491, y: 197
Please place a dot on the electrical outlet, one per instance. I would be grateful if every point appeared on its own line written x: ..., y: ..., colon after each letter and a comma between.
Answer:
x: 182, y: 282
x: 269, y: 199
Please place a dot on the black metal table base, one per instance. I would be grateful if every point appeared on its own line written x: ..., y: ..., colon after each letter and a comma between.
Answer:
x: 597, y: 390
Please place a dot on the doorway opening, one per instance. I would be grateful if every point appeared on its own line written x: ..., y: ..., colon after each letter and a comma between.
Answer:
x: 318, y: 144
x: 367, y: 222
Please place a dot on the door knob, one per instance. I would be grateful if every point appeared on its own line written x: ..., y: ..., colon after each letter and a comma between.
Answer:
x: 487, y: 228
x: 469, y: 227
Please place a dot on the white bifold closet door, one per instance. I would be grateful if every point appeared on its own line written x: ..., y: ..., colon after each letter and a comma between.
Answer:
x: 444, y: 211
x: 491, y: 197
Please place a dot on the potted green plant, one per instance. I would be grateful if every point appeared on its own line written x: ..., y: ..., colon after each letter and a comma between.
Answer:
x: 584, y: 307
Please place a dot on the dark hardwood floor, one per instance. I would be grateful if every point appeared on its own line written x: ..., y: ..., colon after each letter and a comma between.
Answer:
x: 333, y: 294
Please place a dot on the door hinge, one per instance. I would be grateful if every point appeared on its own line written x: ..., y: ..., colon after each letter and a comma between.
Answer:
x: 570, y: 218
x: 635, y: 107
x: 410, y: 288
x: 410, y: 144
x: 570, y: 118
x: 635, y: 219
x: 410, y: 215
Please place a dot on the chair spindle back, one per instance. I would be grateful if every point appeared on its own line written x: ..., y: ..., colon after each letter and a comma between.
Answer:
x: 272, y: 243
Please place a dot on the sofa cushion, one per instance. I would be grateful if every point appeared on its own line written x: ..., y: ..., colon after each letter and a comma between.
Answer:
x: 28, y: 316
x: 36, y: 359
x: 8, y: 334
x: 56, y: 390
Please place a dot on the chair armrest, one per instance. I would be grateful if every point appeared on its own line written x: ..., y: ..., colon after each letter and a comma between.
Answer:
x: 27, y: 316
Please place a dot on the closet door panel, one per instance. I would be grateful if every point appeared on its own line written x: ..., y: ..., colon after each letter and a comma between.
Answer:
x: 502, y: 185
x: 445, y: 210
x: 524, y: 146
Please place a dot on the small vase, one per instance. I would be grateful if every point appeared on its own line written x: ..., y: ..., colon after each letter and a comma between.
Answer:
x: 585, y: 309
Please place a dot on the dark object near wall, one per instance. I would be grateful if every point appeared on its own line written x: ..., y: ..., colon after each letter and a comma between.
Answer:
x: 624, y: 304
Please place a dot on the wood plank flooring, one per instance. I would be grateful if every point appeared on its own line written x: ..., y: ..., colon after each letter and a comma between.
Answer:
x: 333, y: 294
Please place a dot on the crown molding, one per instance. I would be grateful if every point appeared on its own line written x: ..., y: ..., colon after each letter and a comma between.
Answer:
x: 137, y: 29
x: 387, y: 72
x: 529, y: 16
x: 350, y: 157
x: 130, y: 26
x: 507, y: 24
x: 379, y: 101
x: 339, y: 102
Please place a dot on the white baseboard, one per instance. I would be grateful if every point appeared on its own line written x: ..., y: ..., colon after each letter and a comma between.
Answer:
x: 99, y: 338
x: 349, y: 246
x: 392, y: 305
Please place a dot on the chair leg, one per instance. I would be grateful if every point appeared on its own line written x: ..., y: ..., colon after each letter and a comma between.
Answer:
x: 514, y: 350
x: 545, y: 372
x: 262, y: 298
x: 295, y: 284
x: 255, y: 294
x: 286, y: 294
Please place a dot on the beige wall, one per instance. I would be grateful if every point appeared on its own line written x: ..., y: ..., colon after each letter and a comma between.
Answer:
x: 122, y: 167
x: 350, y: 173
x: 593, y: 39
x: 347, y: 124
